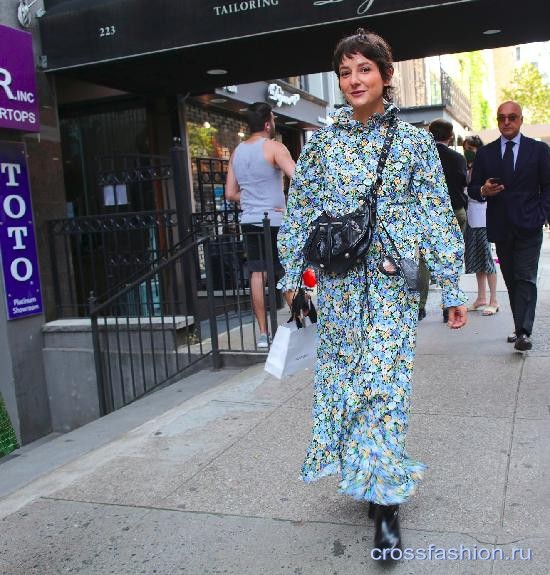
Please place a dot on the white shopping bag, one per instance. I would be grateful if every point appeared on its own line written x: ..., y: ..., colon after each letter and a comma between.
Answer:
x: 293, y: 349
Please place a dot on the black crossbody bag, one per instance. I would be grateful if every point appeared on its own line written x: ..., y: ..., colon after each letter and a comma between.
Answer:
x: 407, y: 268
x: 338, y: 243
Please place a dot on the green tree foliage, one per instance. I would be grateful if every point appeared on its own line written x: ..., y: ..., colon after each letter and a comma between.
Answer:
x: 529, y: 89
x: 201, y: 140
x: 484, y: 114
x: 478, y: 102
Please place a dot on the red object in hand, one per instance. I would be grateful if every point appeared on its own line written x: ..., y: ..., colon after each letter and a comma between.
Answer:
x: 309, y: 278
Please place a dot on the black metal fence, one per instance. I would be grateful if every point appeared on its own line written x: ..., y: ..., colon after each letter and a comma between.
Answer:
x: 136, y: 225
x: 233, y: 303
x: 101, y: 254
x: 170, y: 288
x: 453, y: 97
x: 145, y: 337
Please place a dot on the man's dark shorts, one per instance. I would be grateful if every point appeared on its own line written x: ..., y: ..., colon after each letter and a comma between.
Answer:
x: 255, y: 248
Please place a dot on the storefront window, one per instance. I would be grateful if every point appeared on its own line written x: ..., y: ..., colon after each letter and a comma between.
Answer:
x: 89, y: 138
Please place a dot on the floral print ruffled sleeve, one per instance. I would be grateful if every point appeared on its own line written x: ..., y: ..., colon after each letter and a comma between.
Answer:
x: 442, y: 244
x: 367, y: 320
x: 304, y: 204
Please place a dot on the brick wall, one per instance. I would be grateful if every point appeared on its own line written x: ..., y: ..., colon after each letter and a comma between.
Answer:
x: 218, y: 141
x: 225, y: 130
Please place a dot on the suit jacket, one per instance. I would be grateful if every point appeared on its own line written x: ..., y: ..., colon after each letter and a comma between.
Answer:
x: 454, y: 168
x: 525, y: 201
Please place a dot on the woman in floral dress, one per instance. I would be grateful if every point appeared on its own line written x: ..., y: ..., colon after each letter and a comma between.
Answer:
x: 366, y: 340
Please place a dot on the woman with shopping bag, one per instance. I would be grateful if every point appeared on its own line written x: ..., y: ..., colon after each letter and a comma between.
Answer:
x: 367, y: 305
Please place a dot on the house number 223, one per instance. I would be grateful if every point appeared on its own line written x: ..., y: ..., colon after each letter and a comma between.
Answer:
x: 107, y: 31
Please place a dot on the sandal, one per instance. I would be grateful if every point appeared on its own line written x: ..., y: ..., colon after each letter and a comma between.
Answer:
x: 479, y: 307
x: 490, y: 310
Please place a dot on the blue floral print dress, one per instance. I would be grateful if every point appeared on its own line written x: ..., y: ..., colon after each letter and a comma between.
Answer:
x: 365, y: 356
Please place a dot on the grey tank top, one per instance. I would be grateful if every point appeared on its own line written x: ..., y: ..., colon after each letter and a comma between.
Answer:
x: 260, y: 182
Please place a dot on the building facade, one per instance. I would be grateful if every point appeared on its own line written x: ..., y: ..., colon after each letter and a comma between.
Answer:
x: 22, y: 381
x: 119, y: 91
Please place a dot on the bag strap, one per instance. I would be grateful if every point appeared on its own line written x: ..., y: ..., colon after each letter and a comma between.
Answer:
x: 392, y: 127
x: 389, y: 238
x: 381, y: 163
x: 386, y: 146
x: 384, y: 153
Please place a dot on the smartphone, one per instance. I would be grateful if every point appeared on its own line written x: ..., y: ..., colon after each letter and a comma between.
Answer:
x: 495, y: 180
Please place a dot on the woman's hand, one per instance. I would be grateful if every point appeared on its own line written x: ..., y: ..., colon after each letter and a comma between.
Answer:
x: 291, y: 294
x: 457, y: 316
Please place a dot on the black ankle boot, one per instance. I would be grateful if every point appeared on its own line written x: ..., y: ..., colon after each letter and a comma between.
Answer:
x: 387, y: 535
x: 372, y: 510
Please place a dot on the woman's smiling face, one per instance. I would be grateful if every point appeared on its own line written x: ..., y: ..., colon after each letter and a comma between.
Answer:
x: 362, y: 83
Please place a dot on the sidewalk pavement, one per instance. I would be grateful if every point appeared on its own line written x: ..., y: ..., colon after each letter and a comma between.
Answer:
x: 210, y: 483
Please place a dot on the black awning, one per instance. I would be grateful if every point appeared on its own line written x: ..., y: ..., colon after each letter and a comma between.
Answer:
x: 168, y: 45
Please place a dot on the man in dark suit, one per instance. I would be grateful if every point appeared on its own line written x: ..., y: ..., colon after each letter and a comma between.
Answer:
x: 512, y: 174
x: 454, y: 168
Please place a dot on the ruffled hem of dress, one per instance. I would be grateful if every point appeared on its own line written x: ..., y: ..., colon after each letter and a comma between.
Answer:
x: 389, y: 482
x: 325, y: 471
x: 385, y: 492
x: 453, y: 297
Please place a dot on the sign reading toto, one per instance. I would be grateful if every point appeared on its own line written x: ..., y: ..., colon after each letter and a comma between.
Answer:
x: 18, y: 101
x: 17, y: 241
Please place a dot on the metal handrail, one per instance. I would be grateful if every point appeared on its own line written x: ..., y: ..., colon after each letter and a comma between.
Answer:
x: 156, y: 262
x: 95, y: 310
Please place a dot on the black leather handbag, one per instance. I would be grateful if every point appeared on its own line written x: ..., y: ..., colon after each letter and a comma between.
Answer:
x: 407, y: 268
x: 338, y: 243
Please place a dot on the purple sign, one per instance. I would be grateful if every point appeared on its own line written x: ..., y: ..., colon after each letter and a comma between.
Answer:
x: 18, y: 100
x: 17, y: 241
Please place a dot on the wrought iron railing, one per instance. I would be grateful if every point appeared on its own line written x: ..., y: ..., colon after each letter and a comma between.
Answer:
x: 228, y: 273
x: 453, y: 97
x: 141, y: 341
x: 137, y: 182
x: 145, y: 337
x: 433, y: 87
x: 101, y: 253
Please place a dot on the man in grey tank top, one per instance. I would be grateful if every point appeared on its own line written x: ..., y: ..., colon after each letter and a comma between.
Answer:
x: 255, y: 179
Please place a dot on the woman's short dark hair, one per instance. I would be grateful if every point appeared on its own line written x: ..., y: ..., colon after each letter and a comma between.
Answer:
x: 257, y: 115
x: 371, y: 46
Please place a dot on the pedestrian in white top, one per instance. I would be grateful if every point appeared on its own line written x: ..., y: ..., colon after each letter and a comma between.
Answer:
x: 478, y: 257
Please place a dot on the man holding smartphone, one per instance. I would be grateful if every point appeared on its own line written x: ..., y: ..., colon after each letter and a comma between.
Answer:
x: 512, y: 174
